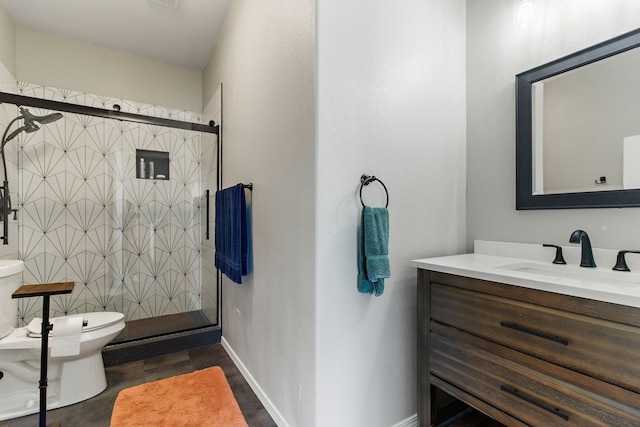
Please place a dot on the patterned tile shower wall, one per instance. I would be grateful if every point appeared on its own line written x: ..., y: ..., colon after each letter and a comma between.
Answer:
x: 130, y: 245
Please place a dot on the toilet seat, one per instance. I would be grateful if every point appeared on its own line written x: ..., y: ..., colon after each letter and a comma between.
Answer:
x: 95, y: 320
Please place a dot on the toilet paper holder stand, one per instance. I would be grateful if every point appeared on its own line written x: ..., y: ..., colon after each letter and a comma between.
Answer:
x: 45, y: 291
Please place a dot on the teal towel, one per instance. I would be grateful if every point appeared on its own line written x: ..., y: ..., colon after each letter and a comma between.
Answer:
x: 364, y: 284
x: 373, y: 260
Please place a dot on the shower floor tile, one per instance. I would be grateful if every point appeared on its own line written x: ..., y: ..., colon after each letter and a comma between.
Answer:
x: 161, y: 325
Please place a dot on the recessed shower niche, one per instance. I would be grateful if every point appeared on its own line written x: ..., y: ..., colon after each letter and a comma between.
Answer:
x: 152, y: 164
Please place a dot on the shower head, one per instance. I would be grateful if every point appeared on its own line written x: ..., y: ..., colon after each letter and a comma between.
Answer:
x: 30, y: 124
x: 43, y: 120
x: 27, y: 128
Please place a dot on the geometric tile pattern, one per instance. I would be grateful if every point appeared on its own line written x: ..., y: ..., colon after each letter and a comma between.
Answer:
x: 130, y: 245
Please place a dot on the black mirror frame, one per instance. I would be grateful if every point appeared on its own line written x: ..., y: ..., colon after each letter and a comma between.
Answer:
x: 525, y: 199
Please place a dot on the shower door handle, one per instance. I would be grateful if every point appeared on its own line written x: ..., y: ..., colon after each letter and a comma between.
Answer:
x: 206, y: 195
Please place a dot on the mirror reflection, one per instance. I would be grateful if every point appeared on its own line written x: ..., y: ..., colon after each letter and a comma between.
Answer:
x: 586, y: 127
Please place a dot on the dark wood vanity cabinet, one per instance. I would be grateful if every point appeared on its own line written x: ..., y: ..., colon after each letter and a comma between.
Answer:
x: 526, y: 357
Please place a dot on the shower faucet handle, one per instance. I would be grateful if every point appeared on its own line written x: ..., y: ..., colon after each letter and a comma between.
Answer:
x: 559, y: 258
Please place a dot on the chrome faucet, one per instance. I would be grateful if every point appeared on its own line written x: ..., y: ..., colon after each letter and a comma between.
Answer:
x: 581, y: 236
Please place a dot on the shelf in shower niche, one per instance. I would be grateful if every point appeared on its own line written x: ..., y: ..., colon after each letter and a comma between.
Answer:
x: 152, y: 165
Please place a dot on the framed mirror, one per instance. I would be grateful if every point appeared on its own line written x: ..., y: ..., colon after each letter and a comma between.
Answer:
x: 578, y: 129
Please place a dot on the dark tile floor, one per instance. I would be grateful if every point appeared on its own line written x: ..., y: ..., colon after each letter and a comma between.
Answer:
x: 96, y: 412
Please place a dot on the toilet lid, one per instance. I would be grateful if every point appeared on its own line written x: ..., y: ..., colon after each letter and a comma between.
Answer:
x: 97, y: 320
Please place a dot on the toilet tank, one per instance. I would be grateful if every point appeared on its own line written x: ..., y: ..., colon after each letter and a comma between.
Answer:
x: 10, y: 278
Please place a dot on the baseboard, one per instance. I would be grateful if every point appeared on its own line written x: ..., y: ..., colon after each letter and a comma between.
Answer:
x: 271, y: 409
x: 268, y: 405
x: 409, y: 422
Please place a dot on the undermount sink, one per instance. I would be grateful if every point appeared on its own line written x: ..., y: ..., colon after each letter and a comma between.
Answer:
x: 528, y: 266
x: 556, y: 271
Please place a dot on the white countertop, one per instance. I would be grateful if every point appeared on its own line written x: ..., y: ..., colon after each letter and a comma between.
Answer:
x: 489, y: 263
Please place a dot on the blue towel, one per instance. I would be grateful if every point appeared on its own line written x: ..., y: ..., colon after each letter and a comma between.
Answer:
x: 373, y: 252
x: 232, y: 233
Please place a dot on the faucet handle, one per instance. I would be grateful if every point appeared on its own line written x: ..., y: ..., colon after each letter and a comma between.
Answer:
x: 621, y: 263
x: 559, y: 258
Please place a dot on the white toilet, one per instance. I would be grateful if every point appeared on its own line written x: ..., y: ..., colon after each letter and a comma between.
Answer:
x: 71, y: 379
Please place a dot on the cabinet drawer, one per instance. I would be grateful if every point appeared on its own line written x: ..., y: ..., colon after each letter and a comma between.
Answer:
x: 602, y: 349
x: 523, y: 393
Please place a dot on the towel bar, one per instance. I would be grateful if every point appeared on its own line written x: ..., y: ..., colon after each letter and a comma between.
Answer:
x: 366, y: 180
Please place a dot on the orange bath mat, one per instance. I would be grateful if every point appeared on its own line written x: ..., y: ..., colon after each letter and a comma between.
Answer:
x: 201, y: 398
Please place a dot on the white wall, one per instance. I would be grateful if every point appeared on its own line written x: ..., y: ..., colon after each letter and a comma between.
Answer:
x: 265, y: 60
x: 390, y: 89
x: 391, y: 103
x: 7, y: 41
x: 497, y: 50
x: 58, y: 62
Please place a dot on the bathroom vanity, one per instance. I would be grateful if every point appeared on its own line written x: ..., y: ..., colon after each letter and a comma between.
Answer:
x: 528, y: 343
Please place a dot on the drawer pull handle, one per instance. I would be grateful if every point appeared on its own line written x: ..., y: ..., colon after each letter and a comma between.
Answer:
x: 519, y: 328
x: 516, y: 393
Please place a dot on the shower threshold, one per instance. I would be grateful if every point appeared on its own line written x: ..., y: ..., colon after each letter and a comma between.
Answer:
x: 159, y: 336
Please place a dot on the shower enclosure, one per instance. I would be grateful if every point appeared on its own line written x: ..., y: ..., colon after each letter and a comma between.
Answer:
x: 130, y: 237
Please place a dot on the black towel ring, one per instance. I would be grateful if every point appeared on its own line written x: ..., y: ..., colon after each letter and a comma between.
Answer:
x: 366, y: 180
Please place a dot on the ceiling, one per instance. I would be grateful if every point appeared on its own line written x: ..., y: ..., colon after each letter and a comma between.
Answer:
x: 178, y: 32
